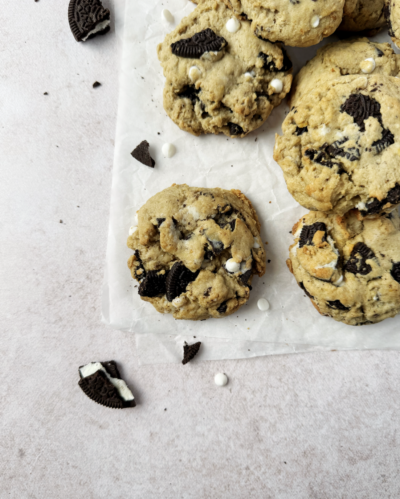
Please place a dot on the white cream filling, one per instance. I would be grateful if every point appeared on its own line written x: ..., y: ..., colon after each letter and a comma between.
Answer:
x: 361, y: 206
x: 338, y: 282
x: 119, y: 384
x: 98, y: 28
x: 256, y: 245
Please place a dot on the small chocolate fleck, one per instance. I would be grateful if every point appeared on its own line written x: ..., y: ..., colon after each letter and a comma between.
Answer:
x: 96, y: 84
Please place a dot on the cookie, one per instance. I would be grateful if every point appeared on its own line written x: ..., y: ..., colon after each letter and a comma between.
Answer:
x: 142, y: 154
x: 340, y: 146
x: 87, y: 19
x: 343, y: 58
x: 102, y: 382
x: 348, y: 266
x: 220, y: 78
x: 195, y: 251
x: 190, y: 351
x: 298, y: 23
x: 392, y: 15
x: 363, y: 15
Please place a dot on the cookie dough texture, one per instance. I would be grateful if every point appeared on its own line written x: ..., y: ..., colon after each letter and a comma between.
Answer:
x: 341, y: 59
x: 196, y: 251
x: 348, y: 266
x: 361, y: 15
x: 298, y: 23
x: 226, y: 91
x: 340, y: 146
x: 392, y: 15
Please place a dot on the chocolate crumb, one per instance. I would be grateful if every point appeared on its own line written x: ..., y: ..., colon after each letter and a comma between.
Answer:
x: 141, y: 153
x: 190, y: 351
x: 96, y: 84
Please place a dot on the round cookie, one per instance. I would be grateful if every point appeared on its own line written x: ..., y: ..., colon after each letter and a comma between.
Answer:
x: 219, y: 81
x: 343, y: 58
x: 392, y: 15
x: 360, y: 15
x: 348, y: 266
x: 196, y: 251
x: 340, y: 146
x: 298, y: 23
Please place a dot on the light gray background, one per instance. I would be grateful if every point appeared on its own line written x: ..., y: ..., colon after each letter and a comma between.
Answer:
x: 321, y: 425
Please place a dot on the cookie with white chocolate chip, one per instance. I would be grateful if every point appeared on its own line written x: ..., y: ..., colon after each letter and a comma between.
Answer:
x: 196, y: 251
x: 348, y: 57
x: 297, y: 23
x: 340, y: 147
x: 220, y: 78
x: 348, y: 266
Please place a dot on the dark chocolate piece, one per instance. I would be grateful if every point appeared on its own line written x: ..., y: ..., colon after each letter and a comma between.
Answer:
x: 142, y: 154
x: 96, y: 84
x: 223, y: 307
x: 357, y: 263
x: 308, y: 232
x: 85, y: 17
x: 245, y: 277
x: 235, y: 129
x: 153, y: 285
x: 195, y: 46
x: 395, y: 272
x: 178, y: 279
x: 190, y: 351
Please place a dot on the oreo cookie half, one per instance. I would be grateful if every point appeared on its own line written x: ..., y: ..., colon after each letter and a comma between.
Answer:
x: 87, y: 19
x: 101, y: 382
x: 197, y: 45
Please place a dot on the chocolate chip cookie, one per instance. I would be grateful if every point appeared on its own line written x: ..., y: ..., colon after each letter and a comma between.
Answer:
x: 343, y: 58
x: 340, y: 146
x: 361, y: 15
x: 392, y: 15
x: 348, y: 266
x: 220, y: 78
x: 298, y: 23
x: 195, y: 251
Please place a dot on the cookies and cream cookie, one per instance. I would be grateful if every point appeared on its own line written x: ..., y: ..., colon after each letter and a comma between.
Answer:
x: 298, y: 23
x: 220, y: 78
x: 348, y: 266
x: 340, y: 147
x: 195, y: 251
x: 347, y: 57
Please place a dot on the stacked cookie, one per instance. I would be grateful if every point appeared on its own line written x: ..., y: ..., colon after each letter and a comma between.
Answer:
x: 340, y: 155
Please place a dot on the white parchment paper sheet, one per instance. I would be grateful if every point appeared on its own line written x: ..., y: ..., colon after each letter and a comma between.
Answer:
x: 210, y: 161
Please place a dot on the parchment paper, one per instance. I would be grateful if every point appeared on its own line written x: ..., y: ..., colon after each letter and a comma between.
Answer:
x: 210, y: 161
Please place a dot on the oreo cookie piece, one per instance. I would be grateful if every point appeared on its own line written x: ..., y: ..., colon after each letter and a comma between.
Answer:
x: 190, y: 351
x: 87, y: 19
x: 102, y: 382
x: 198, y: 44
x: 142, y: 154
x: 235, y: 129
x: 178, y: 279
x: 395, y: 272
x: 154, y: 284
x: 357, y: 264
x: 308, y: 232
x: 361, y: 107
x: 337, y: 304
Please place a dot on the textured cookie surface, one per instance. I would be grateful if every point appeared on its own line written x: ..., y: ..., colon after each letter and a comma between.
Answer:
x: 196, y: 251
x: 298, y: 23
x: 348, y: 266
x: 392, y: 15
x: 360, y: 15
x: 341, y: 59
x: 218, y: 81
x: 340, y: 146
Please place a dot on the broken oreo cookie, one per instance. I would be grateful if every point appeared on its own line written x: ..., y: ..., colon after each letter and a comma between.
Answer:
x: 308, y: 232
x: 154, y: 284
x: 102, y: 382
x: 87, y: 19
x: 198, y: 44
x: 357, y: 264
x: 142, y: 154
x: 190, y: 351
x: 178, y: 279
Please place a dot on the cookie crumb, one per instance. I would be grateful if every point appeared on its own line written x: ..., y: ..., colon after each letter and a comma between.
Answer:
x: 190, y: 351
x: 142, y: 154
x: 96, y: 84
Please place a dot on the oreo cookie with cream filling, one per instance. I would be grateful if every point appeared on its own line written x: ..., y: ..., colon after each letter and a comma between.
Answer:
x: 87, y: 19
x: 102, y: 382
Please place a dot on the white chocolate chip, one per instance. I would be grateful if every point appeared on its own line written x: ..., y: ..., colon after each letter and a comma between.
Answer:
x: 263, y: 304
x: 368, y: 65
x: 249, y: 75
x: 315, y: 21
x: 168, y: 150
x: 221, y: 379
x: 166, y: 14
x: 233, y: 25
x: 277, y: 85
x: 132, y: 230
x: 232, y: 266
x: 339, y: 281
x: 194, y: 73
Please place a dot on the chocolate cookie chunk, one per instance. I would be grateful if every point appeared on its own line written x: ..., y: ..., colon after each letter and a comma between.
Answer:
x: 198, y: 44
x: 354, y: 275
x: 196, y: 251
x: 87, y: 19
x: 190, y: 351
x: 142, y: 154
